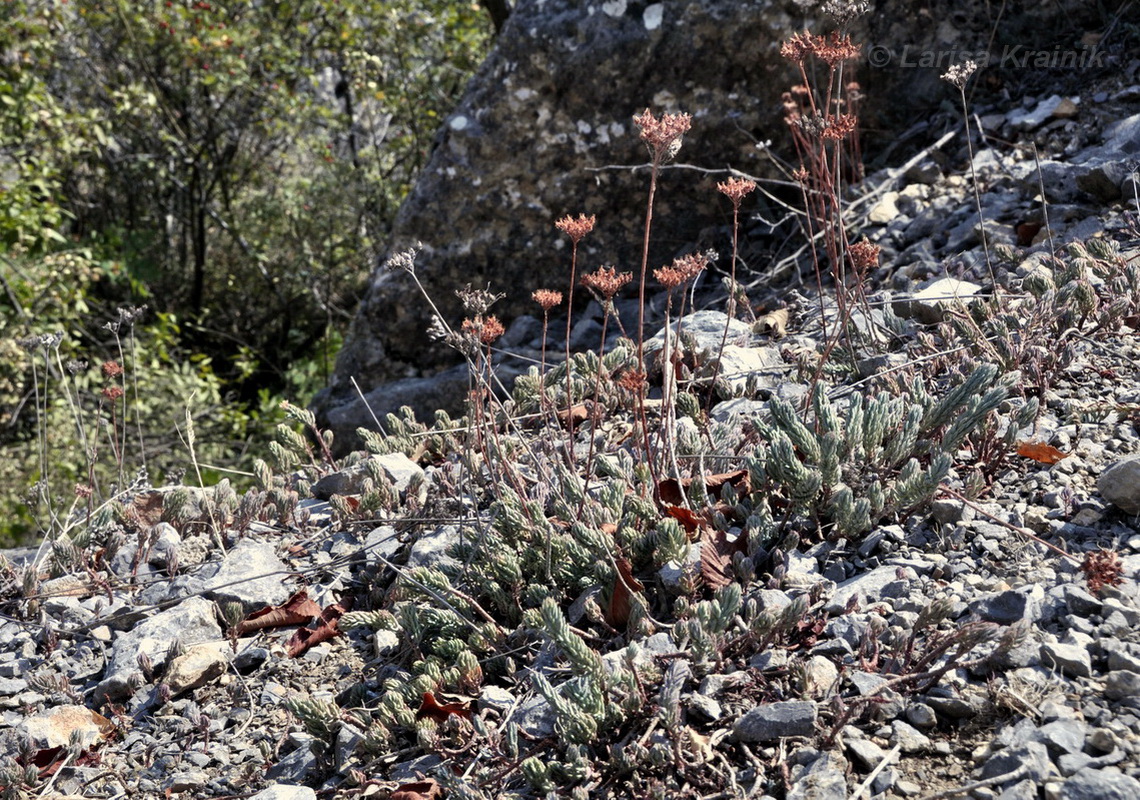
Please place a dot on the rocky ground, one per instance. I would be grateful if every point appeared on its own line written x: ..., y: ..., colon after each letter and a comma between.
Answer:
x: 132, y: 664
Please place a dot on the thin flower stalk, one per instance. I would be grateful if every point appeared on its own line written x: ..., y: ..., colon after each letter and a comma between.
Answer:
x: 735, y: 189
x: 663, y: 138
x: 576, y: 229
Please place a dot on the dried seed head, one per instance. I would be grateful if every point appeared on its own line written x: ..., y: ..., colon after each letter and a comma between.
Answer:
x: 669, y: 277
x: 547, y: 298
x: 839, y: 126
x: 485, y: 330
x: 606, y: 281
x: 111, y: 370
x: 477, y: 301
x: 1102, y: 568
x: 576, y: 229
x: 735, y: 189
x: 112, y: 393
x: 796, y: 48
x: 960, y: 73
x: 662, y: 136
x: 864, y: 255
x: 404, y: 259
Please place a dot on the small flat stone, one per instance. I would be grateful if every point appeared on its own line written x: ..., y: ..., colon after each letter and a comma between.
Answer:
x: 1073, y: 660
x: 776, y: 720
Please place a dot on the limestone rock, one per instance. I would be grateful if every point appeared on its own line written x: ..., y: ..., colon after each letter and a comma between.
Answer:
x: 1120, y: 485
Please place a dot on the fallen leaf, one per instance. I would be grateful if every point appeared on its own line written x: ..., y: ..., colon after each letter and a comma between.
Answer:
x: 716, y: 557
x: 325, y: 629
x: 617, y: 613
x: 672, y: 491
x: 689, y: 521
x: 419, y: 790
x: 297, y: 610
x: 430, y: 707
x: 1045, y: 453
x: 774, y: 322
x: 575, y: 416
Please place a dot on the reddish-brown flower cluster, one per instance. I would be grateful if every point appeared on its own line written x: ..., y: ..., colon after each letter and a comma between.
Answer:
x: 864, y: 255
x: 796, y: 48
x: 663, y: 136
x: 801, y: 175
x: 576, y: 229
x: 112, y: 393
x: 606, y: 281
x: 631, y: 380
x: 682, y: 269
x: 547, y: 298
x: 840, y: 126
x: 485, y: 330
x: 111, y: 369
x: 831, y: 49
x: 836, y: 48
x: 1102, y: 568
x: 735, y: 189
x: 83, y: 490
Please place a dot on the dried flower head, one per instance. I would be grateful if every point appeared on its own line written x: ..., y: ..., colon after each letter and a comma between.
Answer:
x: 111, y: 369
x: 606, y: 281
x: 662, y: 136
x: 834, y: 48
x: 1102, y: 568
x: 669, y: 277
x: 477, y: 301
x: 74, y: 367
x: 801, y: 175
x: 485, y: 330
x: 112, y: 393
x: 796, y: 48
x: 843, y: 11
x: 576, y: 229
x: 404, y: 259
x: 735, y: 189
x: 547, y: 298
x: 840, y: 126
x: 960, y: 73
x: 632, y: 380
x: 864, y: 255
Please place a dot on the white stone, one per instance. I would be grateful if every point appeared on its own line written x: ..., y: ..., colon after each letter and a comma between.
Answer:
x: 653, y: 15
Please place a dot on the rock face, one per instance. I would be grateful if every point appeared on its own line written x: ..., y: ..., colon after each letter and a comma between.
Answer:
x: 545, y: 130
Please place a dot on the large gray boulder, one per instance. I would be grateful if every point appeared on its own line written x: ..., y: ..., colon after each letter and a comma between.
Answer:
x: 545, y: 129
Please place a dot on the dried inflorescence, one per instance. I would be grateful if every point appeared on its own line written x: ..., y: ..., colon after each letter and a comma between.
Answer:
x: 831, y: 49
x: 606, y: 281
x: 736, y: 189
x: 576, y: 229
x: 682, y: 269
x: 484, y: 330
x: 662, y: 136
x: 839, y: 126
x: 547, y: 298
x: 960, y: 73
x: 1102, y: 568
x: 864, y: 255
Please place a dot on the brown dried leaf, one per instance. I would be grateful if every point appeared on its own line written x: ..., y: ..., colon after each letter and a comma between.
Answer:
x: 325, y: 629
x: 672, y: 491
x: 574, y: 417
x: 1044, y: 453
x: 689, y: 521
x: 417, y: 790
x: 297, y: 610
x: 430, y: 707
x: 716, y: 557
x: 617, y: 613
